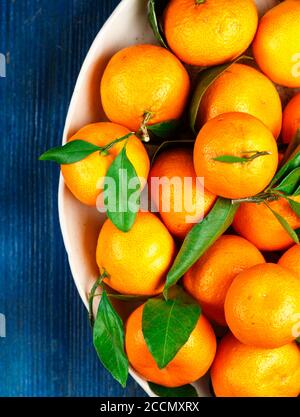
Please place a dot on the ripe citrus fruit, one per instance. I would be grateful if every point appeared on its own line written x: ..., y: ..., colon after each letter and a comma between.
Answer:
x: 257, y: 223
x: 211, y: 32
x: 190, y: 363
x: 247, y: 371
x: 276, y: 45
x: 238, y: 135
x: 184, y: 202
x: 291, y: 119
x: 136, y: 262
x: 291, y: 260
x: 144, y: 79
x: 85, y: 178
x: 211, y: 276
x: 241, y: 88
x: 262, y: 306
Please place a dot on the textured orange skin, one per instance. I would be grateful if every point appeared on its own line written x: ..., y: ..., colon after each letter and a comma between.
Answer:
x: 137, y: 261
x: 178, y: 162
x: 262, y: 306
x: 257, y: 223
x: 243, y: 89
x: 291, y: 119
x: 211, y: 33
x: 191, y: 362
x: 276, y: 45
x: 291, y: 260
x: 211, y: 276
x: 144, y: 78
x: 234, y: 134
x: 246, y: 371
x: 82, y: 178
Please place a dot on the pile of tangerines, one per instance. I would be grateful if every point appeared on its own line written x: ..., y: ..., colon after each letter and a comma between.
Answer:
x: 248, y: 279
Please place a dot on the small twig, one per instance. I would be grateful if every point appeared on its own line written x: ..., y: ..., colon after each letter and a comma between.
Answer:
x: 259, y: 198
x: 91, y: 298
x: 104, y: 150
x: 143, y: 129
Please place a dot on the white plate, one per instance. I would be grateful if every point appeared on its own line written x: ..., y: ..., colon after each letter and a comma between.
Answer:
x: 80, y: 225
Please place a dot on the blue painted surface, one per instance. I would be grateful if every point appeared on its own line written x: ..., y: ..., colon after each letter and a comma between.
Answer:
x: 48, y: 349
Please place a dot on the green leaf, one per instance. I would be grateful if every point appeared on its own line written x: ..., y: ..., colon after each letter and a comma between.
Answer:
x: 297, y: 191
x: 108, y: 337
x: 200, y: 238
x: 232, y: 159
x: 289, y: 184
x: 297, y: 340
x: 163, y: 129
x: 69, y: 153
x: 229, y: 159
x: 285, y: 225
x: 289, y: 166
x: 155, y: 9
x: 122, y: 204
x: 183, y: 391
x: 295, y: 206
x: 167, y: 325
x: 205, y: 80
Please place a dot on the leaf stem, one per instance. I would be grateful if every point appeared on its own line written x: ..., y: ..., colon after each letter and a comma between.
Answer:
x: 199, y: 2
x: 91, y: 297
x: 259, y: 198
x: 104, y: 150
x: 123, y: 297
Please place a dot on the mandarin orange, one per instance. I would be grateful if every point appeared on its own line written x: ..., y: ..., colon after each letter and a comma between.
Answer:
x: 190, y: 363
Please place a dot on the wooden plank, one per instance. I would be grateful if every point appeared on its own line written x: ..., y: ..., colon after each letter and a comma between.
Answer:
x: 48, y: 349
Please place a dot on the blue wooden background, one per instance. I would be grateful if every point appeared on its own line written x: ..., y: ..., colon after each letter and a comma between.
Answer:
x: 48, y: 349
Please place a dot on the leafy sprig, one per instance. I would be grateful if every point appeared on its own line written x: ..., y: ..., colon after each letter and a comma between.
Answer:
x: 76, y: 150
x: 122, y: 207
x: 108, y: 335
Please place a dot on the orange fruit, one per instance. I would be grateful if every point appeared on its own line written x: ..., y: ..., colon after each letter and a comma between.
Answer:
x: 241, y: 88
x: 235, y: 134
x: 210, y: 33
x: 209, y: 279
x: 262, y: 306
x: 291, y: 260
x: 247, y: 371
x: 291, y: 119
x: 257, y: 223
x: 184, y: 202
x: 85, y: 178
x: 276, y: 45
x: 136, y: 262
x: 190, y: 363
x: 144, y: 79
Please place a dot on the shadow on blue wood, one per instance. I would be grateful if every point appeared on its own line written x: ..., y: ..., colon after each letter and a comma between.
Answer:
x: 48, y: 349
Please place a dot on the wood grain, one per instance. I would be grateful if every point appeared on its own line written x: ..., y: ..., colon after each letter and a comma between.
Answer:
x: 48, y: 349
